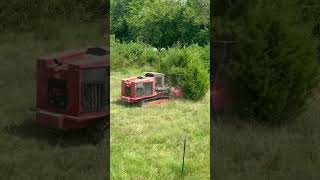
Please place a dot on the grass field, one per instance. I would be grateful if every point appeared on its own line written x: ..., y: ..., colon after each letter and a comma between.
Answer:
x: 251, y: 151
x: 147, y: 142
x: 26, y: 150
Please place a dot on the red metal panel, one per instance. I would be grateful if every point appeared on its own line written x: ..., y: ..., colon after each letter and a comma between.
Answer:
x: 132, y: 83
x: 177, y: 92
x: 133, y: 90
x: 50, y: 119
x: 66, y: 66
x: 74, y: 88
x: 154, y: 93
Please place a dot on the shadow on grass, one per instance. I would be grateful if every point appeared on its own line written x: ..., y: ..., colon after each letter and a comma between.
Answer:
x: 32, y: 130
x: 124, y: 104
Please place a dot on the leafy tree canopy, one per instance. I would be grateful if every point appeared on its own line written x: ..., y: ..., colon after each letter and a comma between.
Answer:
x: 161, y: 23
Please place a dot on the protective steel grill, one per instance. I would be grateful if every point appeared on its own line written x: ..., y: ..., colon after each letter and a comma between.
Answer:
x: 95, y: 89
x: 94, y: 96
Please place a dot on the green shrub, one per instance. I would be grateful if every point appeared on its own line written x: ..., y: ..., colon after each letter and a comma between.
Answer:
x: 185, y: 68
x: 275, y: 67
x: 196, y: 84
x: 132, y: 54
x: 149, y: 57
x: 202, y: 53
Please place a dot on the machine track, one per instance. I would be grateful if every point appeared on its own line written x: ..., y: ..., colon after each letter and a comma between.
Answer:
x: 155, y: 100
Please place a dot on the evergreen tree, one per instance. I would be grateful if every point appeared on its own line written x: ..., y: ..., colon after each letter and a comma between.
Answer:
x: 275, y: 64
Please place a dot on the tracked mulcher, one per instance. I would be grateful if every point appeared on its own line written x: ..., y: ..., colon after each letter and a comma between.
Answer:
x: 148, y: 89
x: 73, y: 91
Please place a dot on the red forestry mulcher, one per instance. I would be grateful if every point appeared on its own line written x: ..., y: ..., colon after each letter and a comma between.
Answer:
x: 73, y: 91
x: 148, y: 89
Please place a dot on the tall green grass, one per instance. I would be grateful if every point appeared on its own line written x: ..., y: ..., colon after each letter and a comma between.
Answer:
x: 247, y: 150
x: 147, y: 143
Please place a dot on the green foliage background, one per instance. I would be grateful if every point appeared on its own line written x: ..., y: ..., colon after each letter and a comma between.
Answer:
x: 29, y: 14
x: 161, y: 23
x: 169, y: 36
x: 275, y: 65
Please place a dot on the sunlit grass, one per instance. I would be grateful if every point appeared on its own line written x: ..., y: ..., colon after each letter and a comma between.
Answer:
x: 147, y: 143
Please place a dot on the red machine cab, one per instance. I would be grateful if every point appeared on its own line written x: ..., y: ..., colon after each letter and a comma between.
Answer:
x: 149, y: 87
x: 73, y: 88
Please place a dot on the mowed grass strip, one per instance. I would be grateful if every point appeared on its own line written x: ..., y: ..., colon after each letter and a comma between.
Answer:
x: 147, y: 142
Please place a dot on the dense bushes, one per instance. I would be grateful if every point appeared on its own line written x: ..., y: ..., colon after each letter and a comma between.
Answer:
x: 143, y: 28
x: 187, y: 67
x: 137, y: 54
x: 196, y: 82
x: 161, y: 23
x: 275, y: 66
x: 131, y: 55
x: 28, y: 14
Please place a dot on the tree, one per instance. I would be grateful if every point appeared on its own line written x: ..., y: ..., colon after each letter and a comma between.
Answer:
x: 275, y: 65
x: 161, y: 23
x: 186, y: 69
x: 119, y: 25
